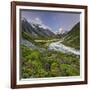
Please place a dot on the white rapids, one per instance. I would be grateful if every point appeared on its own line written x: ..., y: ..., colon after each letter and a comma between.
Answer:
x: 58, y: 46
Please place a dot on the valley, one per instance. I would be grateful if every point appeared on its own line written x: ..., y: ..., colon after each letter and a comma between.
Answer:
x: 45, y: 54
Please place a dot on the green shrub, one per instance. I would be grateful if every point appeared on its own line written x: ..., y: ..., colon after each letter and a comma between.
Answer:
x: 55, y: 69
x: 69, y: 70
x: 35, y: 64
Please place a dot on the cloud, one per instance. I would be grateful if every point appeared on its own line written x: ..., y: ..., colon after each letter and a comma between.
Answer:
x: 45, y: 26
x: 60, y: 29
x: 38, y: 20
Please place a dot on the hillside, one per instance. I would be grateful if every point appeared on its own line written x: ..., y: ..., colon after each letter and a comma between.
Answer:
x: 72, y: 39
x: 35, y: 30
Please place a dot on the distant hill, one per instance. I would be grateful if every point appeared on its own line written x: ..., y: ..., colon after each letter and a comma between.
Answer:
x: 72, y: 38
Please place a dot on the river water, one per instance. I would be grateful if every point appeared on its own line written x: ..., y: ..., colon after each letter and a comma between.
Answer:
x: 58, y: 46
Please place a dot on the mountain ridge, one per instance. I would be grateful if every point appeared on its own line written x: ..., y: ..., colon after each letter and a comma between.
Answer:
x: 72, y: 38
x: 35, y: 30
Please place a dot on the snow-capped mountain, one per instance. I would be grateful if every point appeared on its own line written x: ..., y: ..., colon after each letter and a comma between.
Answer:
x: 36, y: 29
x: 61, y: 31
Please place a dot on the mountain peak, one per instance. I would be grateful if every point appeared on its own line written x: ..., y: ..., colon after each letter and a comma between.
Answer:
x: 61, y: 31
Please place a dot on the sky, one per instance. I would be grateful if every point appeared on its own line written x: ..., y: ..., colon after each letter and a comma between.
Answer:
x: 55, y: 20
